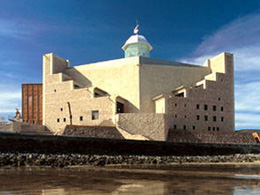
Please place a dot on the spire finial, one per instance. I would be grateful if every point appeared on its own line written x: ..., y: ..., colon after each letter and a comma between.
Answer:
x: 136, y: 30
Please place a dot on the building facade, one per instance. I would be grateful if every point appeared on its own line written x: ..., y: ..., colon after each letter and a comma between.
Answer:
x: 139, y: 95
x: 32, y: 103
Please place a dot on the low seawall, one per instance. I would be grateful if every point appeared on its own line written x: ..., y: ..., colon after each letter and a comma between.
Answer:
x: 17, y: 143
x: 64, y: 160
x: 196, y: 136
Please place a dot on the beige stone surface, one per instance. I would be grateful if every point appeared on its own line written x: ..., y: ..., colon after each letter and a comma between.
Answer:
x: 5, y: 127
x: 146, y: 87
x: 215, y: 90
x: 150, y: 125
x: 160, y: 79
x: 160, y: 105
x: 128, y: 135
x: 116, y: 77
x: 19, y: 127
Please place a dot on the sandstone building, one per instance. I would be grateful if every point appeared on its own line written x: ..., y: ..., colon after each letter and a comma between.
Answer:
x: 139, y: 95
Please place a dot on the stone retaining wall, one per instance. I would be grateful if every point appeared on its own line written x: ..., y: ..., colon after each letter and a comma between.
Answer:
x: 5, y: 127
x: 63, y: 160
x: 150, y: 125
x: 93, y: 131
x: 17, y: 143
x: 23, y: 126
x: 234, y: 137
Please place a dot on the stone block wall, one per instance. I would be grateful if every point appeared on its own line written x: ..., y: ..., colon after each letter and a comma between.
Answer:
x: 93, y: 131
x: 150, y: 125
x: 22, y: 126
x: 5, y: 127
x: 211, y: 137
x: 208, y: 103
x: 208, y: 106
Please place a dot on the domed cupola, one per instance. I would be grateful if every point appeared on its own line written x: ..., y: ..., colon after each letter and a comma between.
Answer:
x: 137, y: 45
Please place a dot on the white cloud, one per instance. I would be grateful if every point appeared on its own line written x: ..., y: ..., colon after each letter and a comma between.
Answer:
x: 252, y: 118
x: 14, y: 29
x: 247, y: 58
x: 247, y: 97
x: 7, y: 75
x: 242, y: 38
x: 247, y: 105
x: 198, y: 60
x: 10, y: 98
x: 240, y: 33
x: 247, y: 120
x: 22, y: 28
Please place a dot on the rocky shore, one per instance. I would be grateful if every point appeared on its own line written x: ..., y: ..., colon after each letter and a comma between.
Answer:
x: 64, y: 160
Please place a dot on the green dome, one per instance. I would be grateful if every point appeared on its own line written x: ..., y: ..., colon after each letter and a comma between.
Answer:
x: 137, y: 45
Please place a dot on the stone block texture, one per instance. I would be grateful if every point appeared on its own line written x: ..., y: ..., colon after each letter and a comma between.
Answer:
x: 92, y: 131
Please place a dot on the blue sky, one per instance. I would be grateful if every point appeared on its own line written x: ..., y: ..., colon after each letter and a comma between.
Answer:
x: 87, y: 31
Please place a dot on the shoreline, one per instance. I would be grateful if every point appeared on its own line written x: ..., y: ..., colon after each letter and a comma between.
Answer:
x: 73, y: 160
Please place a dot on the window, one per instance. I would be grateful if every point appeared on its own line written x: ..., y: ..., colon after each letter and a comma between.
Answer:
x: 193, y: 127
x: 180, y: 94
x: 217, y: 128
x: 214, y: 108
x: 55, y: 90
x: 222, y: 108
x: 185, y: 105
x: 61, y: 109
x: 221, y: 80
x: 198, y: 117
x: 213, y: 128
x: 175, y: 116
x: 209, y: 128
x: 205, y: 107
x: 219, y: 99
x: 120, y: 108
x: 81, y: 118
x: 198, y: 106
x: 174, y: 126
x: 97, y: 94
x: 214, y: 118
x: 185, y: 116
x: 184, y: 127
x: 222, y: 119
x: 58, y: 120
x: 206, y: 118
x: 76, y: 87
x: 175, y: 105
x: 64, y: 119
x: 95, y: 115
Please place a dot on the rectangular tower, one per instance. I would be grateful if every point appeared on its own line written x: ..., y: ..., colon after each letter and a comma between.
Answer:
x: 32, y: 103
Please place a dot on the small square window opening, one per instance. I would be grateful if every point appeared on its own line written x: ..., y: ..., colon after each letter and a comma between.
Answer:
x: 95, y: 115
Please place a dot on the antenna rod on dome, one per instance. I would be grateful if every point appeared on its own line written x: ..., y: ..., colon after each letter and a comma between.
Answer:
x: 136, y: 30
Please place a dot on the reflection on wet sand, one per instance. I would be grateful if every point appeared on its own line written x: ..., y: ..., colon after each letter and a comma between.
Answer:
x: 92, y: 180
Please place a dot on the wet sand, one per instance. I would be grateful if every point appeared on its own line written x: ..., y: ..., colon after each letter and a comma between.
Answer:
x: 174, y: 179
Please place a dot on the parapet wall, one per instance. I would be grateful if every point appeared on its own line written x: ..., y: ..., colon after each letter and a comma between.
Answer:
x: 211, y: 137
x: 5, y: 127
x: 23, y: 126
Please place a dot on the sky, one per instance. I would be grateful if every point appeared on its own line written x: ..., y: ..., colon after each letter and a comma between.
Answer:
x: 86, y: 31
